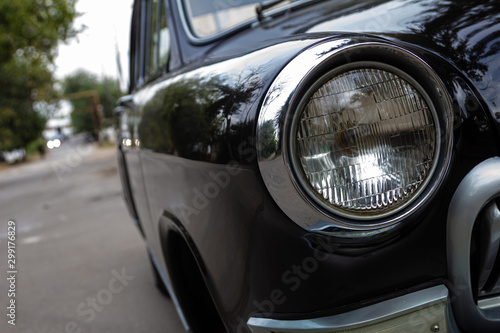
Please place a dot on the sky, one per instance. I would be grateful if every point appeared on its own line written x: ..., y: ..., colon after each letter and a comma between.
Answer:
x: 107, y: 25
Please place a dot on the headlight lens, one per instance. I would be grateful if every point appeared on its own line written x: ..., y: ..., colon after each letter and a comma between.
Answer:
x: 365, y: 141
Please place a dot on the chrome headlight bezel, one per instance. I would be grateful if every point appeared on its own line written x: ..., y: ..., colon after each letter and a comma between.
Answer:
x: 294, y: 162
x: 283, y: 101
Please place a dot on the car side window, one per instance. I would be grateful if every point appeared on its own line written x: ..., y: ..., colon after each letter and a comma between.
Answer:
x: 164, y: 37
x: 135, y: 52
x: 158, y: 37
x: 150, y: 41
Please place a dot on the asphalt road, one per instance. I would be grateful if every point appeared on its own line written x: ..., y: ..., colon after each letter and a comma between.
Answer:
x: 80, y: 264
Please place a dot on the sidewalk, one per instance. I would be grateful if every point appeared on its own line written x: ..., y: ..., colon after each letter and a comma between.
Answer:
x: 67, y: 155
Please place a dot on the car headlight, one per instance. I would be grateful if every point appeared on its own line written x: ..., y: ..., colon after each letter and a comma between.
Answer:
x: 364, y: 140
x: 354, y: 136
x: 51, y: 144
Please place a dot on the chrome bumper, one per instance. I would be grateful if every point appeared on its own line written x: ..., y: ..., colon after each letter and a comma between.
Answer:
x: 421, y: 311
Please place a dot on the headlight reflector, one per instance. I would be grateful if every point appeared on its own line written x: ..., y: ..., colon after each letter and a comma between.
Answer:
x: 365, y: 141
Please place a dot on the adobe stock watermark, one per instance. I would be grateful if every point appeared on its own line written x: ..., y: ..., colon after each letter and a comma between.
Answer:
x: 73, y: 158
x: 88, y: 310
x: 219, y: 180
x: 295, y: 276
x: 292, y: 279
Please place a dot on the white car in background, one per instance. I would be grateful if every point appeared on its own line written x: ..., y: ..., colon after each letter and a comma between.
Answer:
x: 13, y: 156
x: 58, y: 127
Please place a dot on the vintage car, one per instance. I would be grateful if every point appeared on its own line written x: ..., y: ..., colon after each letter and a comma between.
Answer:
x: 317, y: 166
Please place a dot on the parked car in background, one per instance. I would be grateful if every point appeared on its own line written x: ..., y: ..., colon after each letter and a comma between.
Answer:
x: 317, y: 166
x: 58, y: 127
x: 13, y: 156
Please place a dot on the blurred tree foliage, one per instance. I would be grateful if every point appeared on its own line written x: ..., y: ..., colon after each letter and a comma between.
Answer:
x: 29, y: 33
x: 107, y: 88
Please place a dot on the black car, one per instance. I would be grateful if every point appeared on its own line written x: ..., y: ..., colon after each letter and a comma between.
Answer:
x: 318, y: 166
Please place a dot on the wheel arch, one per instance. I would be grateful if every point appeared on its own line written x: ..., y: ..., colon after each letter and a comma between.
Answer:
x: 189, y: 278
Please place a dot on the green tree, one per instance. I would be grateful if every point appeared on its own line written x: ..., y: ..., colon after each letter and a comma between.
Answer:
x: 107, y: 89
x: 29, y: 34
x: 109, y: 92
x: 79, y: 82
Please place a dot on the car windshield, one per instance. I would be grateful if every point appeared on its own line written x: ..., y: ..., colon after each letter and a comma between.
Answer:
x: 211, y: 18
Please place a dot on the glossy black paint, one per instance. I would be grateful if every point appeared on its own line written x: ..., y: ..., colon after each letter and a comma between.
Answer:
x: 193, y: 170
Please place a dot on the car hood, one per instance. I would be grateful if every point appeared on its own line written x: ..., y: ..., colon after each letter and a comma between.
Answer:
x: 464, y: 33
